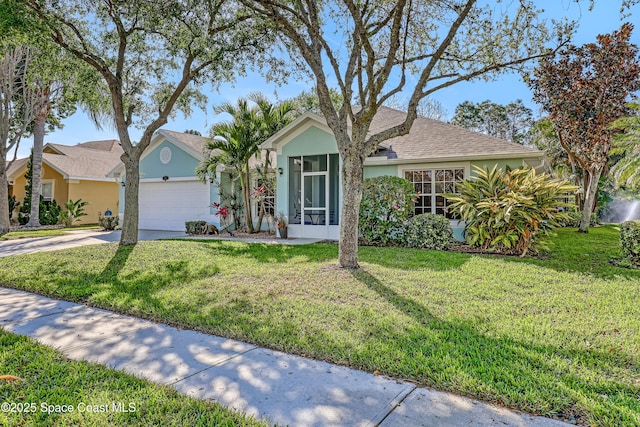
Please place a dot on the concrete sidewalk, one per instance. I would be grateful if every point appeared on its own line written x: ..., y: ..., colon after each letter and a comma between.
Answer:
x: 278, y: 387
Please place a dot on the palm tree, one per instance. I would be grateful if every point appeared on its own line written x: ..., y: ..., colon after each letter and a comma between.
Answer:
x: 626, y: 145
x: 235, y: 142
x: 273, y: 117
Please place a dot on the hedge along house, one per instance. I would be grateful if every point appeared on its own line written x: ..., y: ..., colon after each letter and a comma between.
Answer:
x: 434, y: 156
x: 72, y: 173
x: 170, y: 192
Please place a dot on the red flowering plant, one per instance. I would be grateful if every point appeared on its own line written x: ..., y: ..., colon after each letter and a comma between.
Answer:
x: 222, y: 212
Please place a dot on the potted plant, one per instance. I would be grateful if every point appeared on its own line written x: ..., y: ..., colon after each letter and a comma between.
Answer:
x: 281, y: 224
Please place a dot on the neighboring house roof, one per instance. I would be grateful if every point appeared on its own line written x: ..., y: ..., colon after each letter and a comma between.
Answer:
x: 16, y: 165
x: 428, y: 140
x: 87, y: 161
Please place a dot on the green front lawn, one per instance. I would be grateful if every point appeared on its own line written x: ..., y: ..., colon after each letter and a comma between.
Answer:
x: 556, y: 336
x: 91, y: 395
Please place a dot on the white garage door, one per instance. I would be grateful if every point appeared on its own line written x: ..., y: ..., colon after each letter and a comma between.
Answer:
x: 167, y: 205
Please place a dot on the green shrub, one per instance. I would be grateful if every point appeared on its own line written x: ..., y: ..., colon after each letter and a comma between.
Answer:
x: 195, y: 227
x: 13, y: 204
x: 108, y: 222
x: 74, y: 211
x: 49, y: 213
x: 428, y: 231
x: 387, y: 202
x: 630, y: 241
x: 573, y: 219
x: 510, y: 212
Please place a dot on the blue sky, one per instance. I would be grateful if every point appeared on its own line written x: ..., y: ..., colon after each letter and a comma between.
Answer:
x: 605, y: 18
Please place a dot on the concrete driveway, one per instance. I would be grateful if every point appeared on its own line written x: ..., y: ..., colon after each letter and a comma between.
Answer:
x: 76, y: 238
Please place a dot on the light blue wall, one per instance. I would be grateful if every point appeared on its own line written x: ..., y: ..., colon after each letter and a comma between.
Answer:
x: 374, y: 171
x: 502, y: 164
x: 180, y: 165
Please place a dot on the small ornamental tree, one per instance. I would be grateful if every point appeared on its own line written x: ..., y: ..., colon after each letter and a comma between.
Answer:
x: 387, y: 202
x: 584, y: 90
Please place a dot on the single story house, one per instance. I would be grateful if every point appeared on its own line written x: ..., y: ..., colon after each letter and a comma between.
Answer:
x: 434, y: 156
x: 72, y: 173
x: 170, y: 192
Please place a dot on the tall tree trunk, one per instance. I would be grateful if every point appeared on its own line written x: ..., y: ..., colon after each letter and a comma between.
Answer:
x: 129, y: 234
x: 589, y: 200
x: 352, y: 177
x: 36, y: 166
x: 4, y: 195
x: 246, y: 191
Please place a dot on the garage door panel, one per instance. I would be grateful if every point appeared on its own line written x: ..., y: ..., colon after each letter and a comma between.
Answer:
x: 167, y: 205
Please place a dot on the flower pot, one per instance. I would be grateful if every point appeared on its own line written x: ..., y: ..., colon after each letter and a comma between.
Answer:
x: 283, y: 232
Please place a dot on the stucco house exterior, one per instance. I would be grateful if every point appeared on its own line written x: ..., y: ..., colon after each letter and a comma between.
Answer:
x: 72, y: 173
x: 434, y: 156
x: 170, y: 193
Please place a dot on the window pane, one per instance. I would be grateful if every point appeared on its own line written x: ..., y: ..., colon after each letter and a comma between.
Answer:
x: 46, y: 190
x: 418, y: 188
x: 334, y: 189
x: 426, y: 176
x: 426, y: 187
x: 295, y: 180
x: 315, y: 217
x: 408, y: 175
x: 439, y: 187
x: 459, y: 174
x: 315, y: 191
x: 449, y: 187
x: 315, y: 163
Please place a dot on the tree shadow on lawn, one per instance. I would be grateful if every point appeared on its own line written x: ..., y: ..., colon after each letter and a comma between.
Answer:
x: 120, y: 285
x: 542, y: 379
x: 391, y: 257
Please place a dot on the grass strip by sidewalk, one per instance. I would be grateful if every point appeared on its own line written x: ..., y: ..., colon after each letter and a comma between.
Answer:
x: 45, y: 232
x: 96, y: 395
x: 28, y: 234
x: 557, y: 336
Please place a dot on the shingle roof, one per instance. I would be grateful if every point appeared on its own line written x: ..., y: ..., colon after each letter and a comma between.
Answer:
x: 197, y: 143
x: 433, y: 139
x: 193, y: 141
x: 89, y: 160
x: 17, y: 164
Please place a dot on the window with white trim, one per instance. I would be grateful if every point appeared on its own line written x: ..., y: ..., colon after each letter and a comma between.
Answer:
x: 46, y: 190
x: 431, y: 185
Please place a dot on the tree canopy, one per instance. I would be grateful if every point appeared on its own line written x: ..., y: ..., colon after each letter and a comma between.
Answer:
x: 584, y: 90
x: 511, y: 122
x: 153, y: 57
